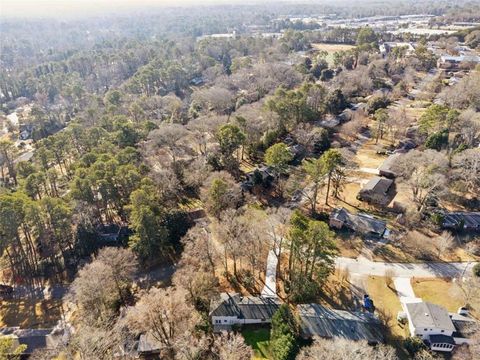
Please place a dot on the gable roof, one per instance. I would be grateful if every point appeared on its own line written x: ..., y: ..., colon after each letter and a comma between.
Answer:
x: 362, y: 223
x: 248, y: 307
x: 388, y: 165
x: 378, y: 185
x: 34, y: 339
x: 428, y: 315
x: 317, y: 320
x: 469, y: 220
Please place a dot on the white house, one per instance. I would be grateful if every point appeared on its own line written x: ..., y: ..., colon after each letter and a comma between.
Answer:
x: 440, y: 330
x: 234, y: 309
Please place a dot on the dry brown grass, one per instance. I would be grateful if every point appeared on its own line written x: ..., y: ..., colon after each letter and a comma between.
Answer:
x: 30, y: 313
x: 387, y: 305
x: 438, y: 291
x: 423, y: 246
x: 336, y: 292
x: 331, y: 47
x: 349, y: 245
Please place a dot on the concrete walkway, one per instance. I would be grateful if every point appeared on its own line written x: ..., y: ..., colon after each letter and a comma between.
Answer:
x: 364, y: 266
x: 270, y: 288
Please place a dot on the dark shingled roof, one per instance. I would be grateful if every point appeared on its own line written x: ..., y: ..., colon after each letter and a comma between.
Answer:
x: 469, y: 220
x: 34, y: 338
x: 362, y: 223
x: 317, y: 320
x: 254, y: 307
x: 441, y: 339
x: 428, y: 315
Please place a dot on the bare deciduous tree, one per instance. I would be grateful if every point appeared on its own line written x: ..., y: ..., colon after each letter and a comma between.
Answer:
x: 196, y: 269
x: 444, y: 242
x: 466, y: 166
x: 342, y: 349
x: 231, y: 346
x: 101, y: 285
x: 165, y: 315
x: 424, y: 172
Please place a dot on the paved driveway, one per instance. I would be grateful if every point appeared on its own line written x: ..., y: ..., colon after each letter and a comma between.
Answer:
x: 403, y: 287
x: 270, y: 288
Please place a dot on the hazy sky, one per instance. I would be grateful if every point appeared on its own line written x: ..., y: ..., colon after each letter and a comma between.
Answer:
x: 83, y: 7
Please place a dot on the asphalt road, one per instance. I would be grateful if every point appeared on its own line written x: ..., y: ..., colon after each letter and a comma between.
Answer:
x: 364, y: 266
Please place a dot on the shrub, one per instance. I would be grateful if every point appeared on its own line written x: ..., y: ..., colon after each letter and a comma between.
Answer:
x: 283, y: 348
x: 476, y: 270
x: 377, y: 102
x: 437, y: 141
x: 414, y: 345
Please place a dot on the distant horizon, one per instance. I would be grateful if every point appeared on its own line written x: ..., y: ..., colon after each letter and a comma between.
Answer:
x: 82, y: 8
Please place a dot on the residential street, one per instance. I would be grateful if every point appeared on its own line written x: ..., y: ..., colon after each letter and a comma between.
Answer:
x: 364, y: 266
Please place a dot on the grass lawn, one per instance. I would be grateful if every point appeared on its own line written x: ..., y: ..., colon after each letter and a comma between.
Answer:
x: 259, y: 339
x: 439, y: 291
x: 330, y: 49
x: 387, y: 303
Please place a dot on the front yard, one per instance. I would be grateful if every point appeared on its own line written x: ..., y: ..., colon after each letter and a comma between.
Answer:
x: 387, y: 305
x: 442, y: 292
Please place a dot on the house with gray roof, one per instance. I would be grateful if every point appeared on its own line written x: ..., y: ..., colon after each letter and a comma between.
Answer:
x: 459, y: 220
x: 378, y: 191
x: 454, y: 62
x: 361, y: 223
x: 234, y: 309
x: 438, y: 328
x: 387, y: 167
x: 317, y: 320
x: 36, y: 339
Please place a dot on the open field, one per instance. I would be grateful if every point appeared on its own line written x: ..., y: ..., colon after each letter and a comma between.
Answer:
x: 330, y: 49
x: 259, y: 340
